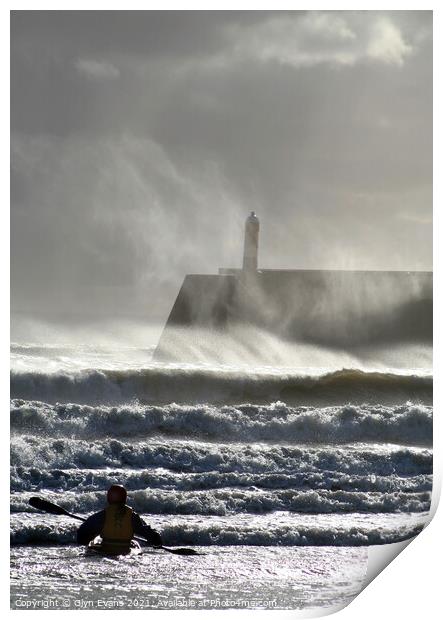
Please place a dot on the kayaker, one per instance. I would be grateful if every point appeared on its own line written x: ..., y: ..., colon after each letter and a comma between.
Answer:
x: 116, y: 525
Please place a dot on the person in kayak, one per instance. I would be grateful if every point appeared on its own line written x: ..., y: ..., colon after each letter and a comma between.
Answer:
x: 116, y: 525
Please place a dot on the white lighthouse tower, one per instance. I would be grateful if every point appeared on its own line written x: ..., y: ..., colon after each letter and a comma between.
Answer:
x: 250, y: 253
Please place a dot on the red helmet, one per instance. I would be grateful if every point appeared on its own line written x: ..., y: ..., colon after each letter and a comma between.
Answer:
x: 117, y: 494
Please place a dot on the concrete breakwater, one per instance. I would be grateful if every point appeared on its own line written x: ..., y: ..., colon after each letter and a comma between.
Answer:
x: 324, y: 307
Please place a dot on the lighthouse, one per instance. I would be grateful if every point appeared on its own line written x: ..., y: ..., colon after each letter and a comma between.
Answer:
x: 276, y: 302
x: 250, y: 253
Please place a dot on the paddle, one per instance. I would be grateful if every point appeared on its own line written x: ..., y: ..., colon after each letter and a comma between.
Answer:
x: 53, y: 509
x: 45, y: 506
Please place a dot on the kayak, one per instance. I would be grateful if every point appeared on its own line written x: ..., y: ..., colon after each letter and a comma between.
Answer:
x: 96, y: 547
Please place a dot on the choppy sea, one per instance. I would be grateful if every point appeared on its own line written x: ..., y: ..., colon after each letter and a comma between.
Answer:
x: 280, y: 476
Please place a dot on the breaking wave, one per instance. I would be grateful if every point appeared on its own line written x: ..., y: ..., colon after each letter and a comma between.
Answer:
x: 404, y: 424
x: 163, y: 384
x: 229, y: 532
x: 190, y: 477
x: 228, y: 500
x: 84, y: 480
x: 196, y: 457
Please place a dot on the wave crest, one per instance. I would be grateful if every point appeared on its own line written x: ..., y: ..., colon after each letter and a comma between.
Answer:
x: 160, y: 384
x: 405, y: 424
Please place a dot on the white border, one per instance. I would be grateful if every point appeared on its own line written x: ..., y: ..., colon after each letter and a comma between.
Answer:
x: 409, y: 587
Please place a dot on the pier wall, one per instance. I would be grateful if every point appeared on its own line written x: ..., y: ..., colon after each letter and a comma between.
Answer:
x: 325, y: 307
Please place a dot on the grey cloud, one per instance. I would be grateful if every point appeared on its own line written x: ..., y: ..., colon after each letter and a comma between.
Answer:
x: 96, y: 70
x: 318, y: 37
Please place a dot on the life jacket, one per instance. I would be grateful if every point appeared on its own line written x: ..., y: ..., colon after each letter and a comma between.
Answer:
x: 117, y: 530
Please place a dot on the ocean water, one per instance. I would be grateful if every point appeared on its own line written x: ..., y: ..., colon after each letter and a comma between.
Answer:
x: 280, y: 476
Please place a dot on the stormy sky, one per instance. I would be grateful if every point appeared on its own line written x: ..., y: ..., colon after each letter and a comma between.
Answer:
x: 141, y: 140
